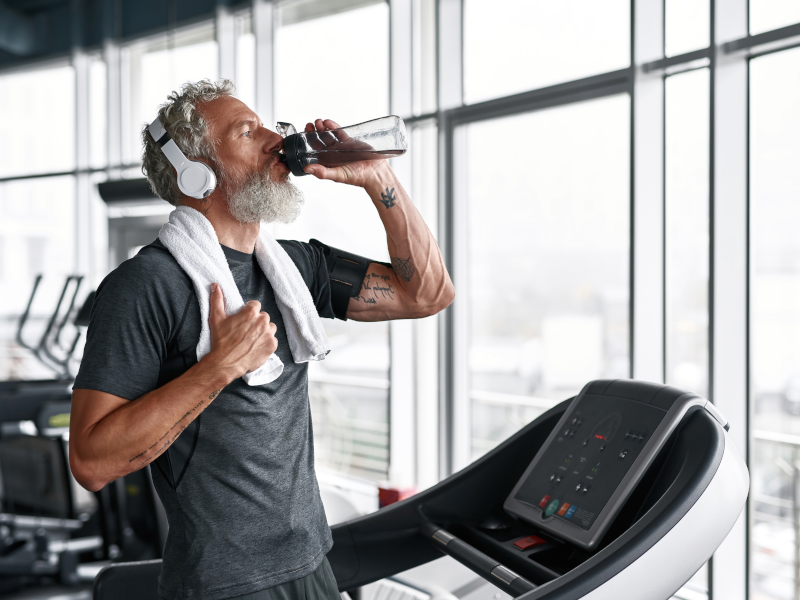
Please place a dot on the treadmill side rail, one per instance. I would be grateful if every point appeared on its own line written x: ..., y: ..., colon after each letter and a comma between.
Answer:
x: 485, y: 566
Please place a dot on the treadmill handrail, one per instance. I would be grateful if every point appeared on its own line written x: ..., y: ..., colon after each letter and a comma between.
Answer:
x: 43, y: 344
x: 43, y: 351
x: 24, y: 318
x: 68, y: 312
x: 482, y: 564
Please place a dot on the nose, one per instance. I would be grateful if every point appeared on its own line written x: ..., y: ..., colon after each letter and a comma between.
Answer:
x: 273, y: 142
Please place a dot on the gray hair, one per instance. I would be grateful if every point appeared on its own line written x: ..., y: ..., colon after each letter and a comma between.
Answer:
x: 186, y: 126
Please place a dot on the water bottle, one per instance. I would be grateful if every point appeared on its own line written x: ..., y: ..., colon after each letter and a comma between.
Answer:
x: 373, y: 140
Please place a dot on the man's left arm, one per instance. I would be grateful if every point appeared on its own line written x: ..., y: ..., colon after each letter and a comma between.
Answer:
x: 418, y: 284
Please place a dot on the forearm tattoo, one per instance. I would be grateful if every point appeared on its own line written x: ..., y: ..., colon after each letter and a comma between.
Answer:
x: 403, y: 268
x: 172, y: 434
x: 375, y: 288
x: 387, y: 198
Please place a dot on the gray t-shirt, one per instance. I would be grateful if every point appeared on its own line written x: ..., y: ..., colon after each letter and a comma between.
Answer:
x: 238, y: 485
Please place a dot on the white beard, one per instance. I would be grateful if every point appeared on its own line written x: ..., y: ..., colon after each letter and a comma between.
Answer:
x: 261, y: 199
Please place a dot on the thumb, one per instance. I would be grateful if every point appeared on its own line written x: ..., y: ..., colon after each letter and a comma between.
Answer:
x: 216, y: 312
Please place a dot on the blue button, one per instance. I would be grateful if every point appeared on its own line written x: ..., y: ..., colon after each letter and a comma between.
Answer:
x: 570, y: 512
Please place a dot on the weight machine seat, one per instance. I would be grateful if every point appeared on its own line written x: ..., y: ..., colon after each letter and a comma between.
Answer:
x: 128, y: 581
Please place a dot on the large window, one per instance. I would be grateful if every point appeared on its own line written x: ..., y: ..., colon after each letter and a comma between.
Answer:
x: 350, y: 388
x: 517, y: 45
x: 686, y: 26
x: 772, y: 14
x: 547, y: 248
x: 775, y: 322
x: 38, y: 122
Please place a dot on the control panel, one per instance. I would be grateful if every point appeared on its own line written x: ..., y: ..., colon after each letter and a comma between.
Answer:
x: 591, y: 462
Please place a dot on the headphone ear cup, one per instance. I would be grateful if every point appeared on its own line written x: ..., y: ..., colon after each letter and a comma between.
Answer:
x: 196, y: 179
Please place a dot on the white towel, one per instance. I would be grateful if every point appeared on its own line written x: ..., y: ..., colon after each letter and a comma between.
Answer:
x: 192, y: 241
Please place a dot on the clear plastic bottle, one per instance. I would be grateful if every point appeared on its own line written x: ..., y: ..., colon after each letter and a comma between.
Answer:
x: 378, y: 139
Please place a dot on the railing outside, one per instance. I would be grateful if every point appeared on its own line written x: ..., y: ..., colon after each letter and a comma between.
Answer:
x: 351, y: 424
x: 776, y: 511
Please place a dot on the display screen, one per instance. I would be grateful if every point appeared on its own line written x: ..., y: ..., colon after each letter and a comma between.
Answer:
x: 579, y: 471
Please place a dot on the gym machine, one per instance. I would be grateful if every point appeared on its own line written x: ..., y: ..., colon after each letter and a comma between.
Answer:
x: 50, y: 528
x: 589, y: 501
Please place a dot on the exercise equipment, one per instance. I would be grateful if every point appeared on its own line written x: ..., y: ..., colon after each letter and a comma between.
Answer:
x: 670, y: 497
x: 49, y: 526
x: 50, y: 345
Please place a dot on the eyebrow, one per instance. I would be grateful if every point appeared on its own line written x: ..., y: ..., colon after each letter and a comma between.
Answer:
x: 244, y: 122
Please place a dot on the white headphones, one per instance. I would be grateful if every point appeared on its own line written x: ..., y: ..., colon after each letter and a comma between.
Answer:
x: 195, y: 178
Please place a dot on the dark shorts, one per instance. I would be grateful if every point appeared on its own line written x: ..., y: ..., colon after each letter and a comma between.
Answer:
x: 318, y: 585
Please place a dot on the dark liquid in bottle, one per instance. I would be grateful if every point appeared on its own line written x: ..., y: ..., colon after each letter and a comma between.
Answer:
x: 336, y: 158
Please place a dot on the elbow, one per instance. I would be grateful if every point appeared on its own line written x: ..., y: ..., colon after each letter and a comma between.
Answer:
x: 84, y: 472
x: 447, y: 296
x: 443, y: 298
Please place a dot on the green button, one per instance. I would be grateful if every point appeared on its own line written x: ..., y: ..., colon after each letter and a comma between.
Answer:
x: 551, y: 508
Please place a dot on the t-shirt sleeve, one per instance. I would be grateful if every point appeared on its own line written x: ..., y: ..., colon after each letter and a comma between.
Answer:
x: 129, y: 330
x: 311, y: 263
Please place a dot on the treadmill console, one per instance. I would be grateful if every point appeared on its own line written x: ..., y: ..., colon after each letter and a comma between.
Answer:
x: 591, y: 462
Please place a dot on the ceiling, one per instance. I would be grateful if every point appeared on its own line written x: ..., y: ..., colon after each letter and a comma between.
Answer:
x: 31, y: 30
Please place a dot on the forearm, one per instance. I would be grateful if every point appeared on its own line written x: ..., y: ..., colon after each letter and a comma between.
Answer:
x: 136, y: 433
x: 414, y: 254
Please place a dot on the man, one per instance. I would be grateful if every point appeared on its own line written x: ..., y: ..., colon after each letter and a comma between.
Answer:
x: 232, y: 464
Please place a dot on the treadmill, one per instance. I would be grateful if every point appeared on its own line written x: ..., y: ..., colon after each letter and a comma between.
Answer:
x: 589, y: 501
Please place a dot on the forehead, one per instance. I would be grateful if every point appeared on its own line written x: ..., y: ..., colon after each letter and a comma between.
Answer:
x: 225, y: 112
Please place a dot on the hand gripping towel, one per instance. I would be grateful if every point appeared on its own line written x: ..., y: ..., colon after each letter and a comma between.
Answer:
x: 192, y: 241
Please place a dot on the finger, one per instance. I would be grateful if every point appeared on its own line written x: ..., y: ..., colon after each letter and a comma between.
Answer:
x: 254, y: 306
x: 312, y: 138
x: 340, y: 133
x: 321, y: 172
x: 216, y: 311
x: 328, y: 137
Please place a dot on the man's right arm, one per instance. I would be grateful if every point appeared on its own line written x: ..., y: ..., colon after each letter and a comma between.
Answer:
x: 111, y: 436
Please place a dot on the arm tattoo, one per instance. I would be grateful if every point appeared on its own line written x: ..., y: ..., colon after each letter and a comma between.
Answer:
x: 403, y: 268
x: 179, y: 425
x: 375, y: 287
x: 388, y: 198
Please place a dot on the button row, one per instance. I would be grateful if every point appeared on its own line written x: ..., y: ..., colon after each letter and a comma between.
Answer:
x: 634, y: 436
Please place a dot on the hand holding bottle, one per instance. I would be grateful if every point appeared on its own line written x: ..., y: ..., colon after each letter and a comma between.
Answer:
x: 325, y: 143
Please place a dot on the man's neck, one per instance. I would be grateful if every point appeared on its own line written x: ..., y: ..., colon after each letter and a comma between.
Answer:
x: 230, y: 232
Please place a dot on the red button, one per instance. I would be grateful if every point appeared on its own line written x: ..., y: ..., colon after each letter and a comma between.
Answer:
x: 528, y: 542
x: 544, y: 501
